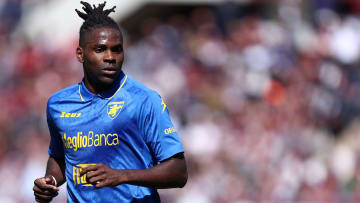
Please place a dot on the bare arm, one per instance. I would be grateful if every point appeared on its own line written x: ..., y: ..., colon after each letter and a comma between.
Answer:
x: 168, y: 174
x: 45, y: 188
x: 56, y: 167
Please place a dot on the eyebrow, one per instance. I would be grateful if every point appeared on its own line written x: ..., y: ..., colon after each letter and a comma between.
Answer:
x: 117, y: 45
x: 101, y: 45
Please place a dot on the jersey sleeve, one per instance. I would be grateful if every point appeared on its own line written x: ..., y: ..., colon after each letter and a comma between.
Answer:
x: 56, y: 148
x: 158, y: 130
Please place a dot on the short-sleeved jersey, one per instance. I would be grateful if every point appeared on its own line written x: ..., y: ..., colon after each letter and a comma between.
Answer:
x: 126, y: 127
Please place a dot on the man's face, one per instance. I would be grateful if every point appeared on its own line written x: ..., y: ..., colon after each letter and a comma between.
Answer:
x: 102, y: 56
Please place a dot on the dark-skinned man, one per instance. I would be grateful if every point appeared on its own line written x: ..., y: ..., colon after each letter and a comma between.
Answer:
x: 112, y: 139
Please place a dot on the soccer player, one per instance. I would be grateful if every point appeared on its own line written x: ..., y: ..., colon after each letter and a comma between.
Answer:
x: 112, y: 139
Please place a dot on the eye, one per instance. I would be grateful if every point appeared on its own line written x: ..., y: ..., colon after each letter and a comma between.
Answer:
x: 99, y: 49
x: 117, y: 49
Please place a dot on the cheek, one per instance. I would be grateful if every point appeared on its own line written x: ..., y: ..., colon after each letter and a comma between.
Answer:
x: 93, y: 59
x: 120, y: 58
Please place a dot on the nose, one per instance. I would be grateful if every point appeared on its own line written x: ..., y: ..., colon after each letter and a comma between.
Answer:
x: 109, y: 57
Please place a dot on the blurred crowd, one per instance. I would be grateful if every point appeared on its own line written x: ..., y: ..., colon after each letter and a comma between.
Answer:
x: 267, y: 106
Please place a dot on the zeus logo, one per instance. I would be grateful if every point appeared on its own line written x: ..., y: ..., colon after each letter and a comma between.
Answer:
x: 69, y: 115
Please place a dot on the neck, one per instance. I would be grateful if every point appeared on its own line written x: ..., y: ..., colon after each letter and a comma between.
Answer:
x: 93, y: 86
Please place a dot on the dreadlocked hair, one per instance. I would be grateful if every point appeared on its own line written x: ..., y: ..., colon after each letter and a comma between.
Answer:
x: 95, y: 17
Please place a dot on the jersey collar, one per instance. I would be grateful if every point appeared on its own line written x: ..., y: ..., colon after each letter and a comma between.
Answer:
x: 86, y: 95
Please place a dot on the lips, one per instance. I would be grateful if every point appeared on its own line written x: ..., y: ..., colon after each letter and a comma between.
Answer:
x: 110, y: 71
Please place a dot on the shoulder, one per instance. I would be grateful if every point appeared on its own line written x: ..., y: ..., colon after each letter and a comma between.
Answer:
x: 141, y: 91
x: 67, y: 93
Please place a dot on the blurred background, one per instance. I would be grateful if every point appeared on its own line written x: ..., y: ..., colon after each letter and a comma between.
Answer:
x: 264, y: 94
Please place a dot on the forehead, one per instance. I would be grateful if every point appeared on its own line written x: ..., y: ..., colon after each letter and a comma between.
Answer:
x: 103, y: 36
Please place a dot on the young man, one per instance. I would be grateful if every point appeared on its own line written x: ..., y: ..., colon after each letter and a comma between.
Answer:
x: 112, y: 139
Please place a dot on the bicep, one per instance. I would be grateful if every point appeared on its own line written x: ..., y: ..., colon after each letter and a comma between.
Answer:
x: 177, y: 163
x: 180, y: 156
x: 176, y: 167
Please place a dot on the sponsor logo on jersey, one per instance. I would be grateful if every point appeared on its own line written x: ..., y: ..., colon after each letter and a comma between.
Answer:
x: 114, y: 108
x: 91, y: 139
x: 169, y: 130
x: 80, y: 180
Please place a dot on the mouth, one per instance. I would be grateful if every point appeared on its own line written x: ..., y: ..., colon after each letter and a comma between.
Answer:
x: 110, y: 71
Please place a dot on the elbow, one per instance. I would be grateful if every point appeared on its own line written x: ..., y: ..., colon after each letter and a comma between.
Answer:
x: 184, y: 175
x: 180, y: 173
x: 183, y: 180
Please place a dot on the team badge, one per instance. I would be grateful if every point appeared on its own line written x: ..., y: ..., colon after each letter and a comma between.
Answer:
x: 114, y: 108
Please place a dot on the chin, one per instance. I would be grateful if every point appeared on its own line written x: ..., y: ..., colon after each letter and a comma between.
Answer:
x: 107, y: 81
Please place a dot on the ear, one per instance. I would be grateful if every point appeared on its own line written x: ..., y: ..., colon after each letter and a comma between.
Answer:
x: 80, y: 54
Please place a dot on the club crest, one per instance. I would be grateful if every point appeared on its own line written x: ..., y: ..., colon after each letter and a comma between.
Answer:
x: 114, y: 108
